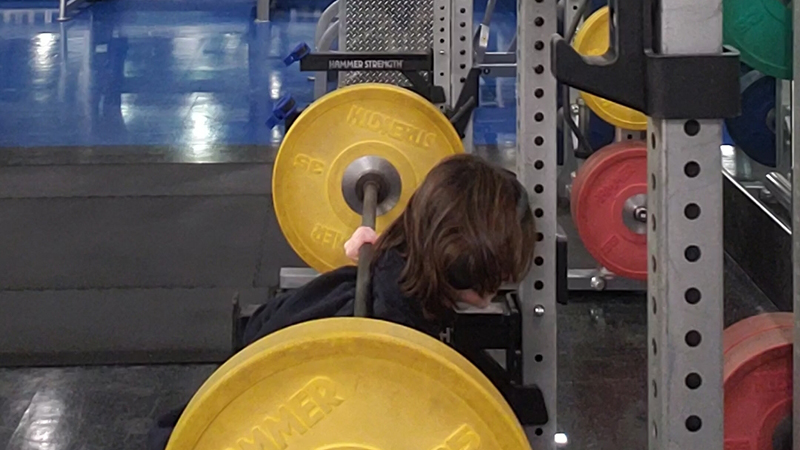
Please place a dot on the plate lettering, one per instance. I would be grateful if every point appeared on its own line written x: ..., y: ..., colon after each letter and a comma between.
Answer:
x: 464, y: 438
x: 386, y: 125
x: 308, y: 164
x: 327, y: 236
x: 301, y: 411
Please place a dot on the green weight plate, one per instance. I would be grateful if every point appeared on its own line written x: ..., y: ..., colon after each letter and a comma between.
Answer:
x: 762, y: 32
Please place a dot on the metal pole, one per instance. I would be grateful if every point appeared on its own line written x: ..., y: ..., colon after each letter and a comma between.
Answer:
x: 795, y: 177
x: 685, y: 252
x: 461, y: 55
x: 362, y: 303
x: 262, y: 10
x: 323, y: 45
x: 783, y: 149
x: 62, y: 12
x: 443, y: 49
x: 536, y: 169
x: 781, y: 189
x: 326, y: 19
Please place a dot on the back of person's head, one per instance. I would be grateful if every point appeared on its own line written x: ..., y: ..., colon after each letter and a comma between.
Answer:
x: 467, y: 226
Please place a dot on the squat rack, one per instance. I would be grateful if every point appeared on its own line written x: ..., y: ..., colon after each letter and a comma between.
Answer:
x: 685, y: 283
x: 536, y: 168
x: 685, y: 252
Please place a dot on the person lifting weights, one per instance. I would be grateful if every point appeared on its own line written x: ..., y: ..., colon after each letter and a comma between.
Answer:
x: 467, y: 229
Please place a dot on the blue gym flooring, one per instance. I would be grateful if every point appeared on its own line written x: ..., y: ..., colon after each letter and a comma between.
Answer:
x: 193, y: 74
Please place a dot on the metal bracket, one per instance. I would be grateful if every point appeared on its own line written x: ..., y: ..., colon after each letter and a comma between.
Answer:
x: 478, y: 331
x: 631, y: 73
x: 467, y: 102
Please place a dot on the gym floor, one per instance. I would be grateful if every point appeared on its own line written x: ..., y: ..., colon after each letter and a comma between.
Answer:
x: 130, y: 86
x: 602, y: 387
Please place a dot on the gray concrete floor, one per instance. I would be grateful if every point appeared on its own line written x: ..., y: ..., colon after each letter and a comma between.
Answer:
x: 132, y: 262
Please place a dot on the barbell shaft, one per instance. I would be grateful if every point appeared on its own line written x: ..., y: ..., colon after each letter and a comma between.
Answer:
x: 362, y: 303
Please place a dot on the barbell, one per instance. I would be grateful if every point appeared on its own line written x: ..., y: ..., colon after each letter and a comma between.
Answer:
x: 350, y: 383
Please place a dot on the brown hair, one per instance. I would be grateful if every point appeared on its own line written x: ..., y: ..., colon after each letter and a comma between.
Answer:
x: 468, y: 220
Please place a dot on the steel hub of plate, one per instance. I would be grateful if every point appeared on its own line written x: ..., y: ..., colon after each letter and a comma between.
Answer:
x: 634, y: 213
x: 609, y: 207
x: 592, y: 40
x: 353, y: 132
x: 347, y: 383
x: 371, y: 169
x: 758, y: 382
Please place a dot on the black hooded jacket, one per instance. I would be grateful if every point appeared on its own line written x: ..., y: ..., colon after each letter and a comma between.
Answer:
x: 330, y: 295
x: 333, y: 295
